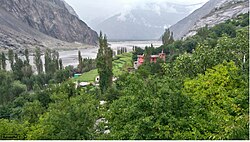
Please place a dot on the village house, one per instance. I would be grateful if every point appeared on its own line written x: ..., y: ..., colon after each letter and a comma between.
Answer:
x: 153, y: 59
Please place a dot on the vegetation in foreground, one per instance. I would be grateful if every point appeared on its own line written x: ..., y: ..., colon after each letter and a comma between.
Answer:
x: 202, y: 92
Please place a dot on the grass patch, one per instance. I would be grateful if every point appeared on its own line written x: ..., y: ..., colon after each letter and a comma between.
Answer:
x: 88, y: 76
x: 120, y: 65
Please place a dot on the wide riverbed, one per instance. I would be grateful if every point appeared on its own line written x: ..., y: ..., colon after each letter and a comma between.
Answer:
x: 70, y: 57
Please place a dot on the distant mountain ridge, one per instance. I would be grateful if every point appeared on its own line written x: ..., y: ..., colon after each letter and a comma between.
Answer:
x: 70, y: 9
x: 145, y: 22
x: 23, y: 21
x: 210, y: 14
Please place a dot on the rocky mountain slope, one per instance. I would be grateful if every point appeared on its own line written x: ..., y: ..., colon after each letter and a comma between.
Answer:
x: 41, y: 23
x: 212, y: 13
x: 70, y: 9
x: 144, y: 22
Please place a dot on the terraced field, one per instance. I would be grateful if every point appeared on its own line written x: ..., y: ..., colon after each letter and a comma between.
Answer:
x: 120, y: 65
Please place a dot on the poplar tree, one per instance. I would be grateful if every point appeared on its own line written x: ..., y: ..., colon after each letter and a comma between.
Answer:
x: 168, y: 37
x: 26, y: 54
x: 60, y: 64
x: 79, y: 57
x: 0, y: 63
x: 17, y: 68
x: 38, y: 60
x: 47, y: 59
x: 51, y: 61
x: 11, y: 58
x: 55, y: 59
x: 3, y: 61
x: 104, y: 63
x: 80, y: 65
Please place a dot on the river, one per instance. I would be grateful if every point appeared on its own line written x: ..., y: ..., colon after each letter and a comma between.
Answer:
x: 70, y: 57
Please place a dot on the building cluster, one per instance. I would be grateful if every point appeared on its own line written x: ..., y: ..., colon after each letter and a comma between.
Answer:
x: 153, y: 59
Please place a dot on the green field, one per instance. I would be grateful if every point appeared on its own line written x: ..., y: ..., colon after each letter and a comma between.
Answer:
x: 88, y: 76
x: 120, y: 65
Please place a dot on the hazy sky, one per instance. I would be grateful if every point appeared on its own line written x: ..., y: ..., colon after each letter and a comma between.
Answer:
x: 91, y: 9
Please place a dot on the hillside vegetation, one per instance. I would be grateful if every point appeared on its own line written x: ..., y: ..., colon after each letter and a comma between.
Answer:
x: 200, y: 93
x: 120, y: 65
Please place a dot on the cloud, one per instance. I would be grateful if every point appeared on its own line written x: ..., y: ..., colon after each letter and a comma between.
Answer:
x: 157, y: 9
x: 125, y: 12
x: 134, y: 2
x: 91, y: 9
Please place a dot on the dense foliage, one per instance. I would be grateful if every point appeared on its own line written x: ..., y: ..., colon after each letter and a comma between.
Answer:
x: 200, y: 93
x: 85, y: 64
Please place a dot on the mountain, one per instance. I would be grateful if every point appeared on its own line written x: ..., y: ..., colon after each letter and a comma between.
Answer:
x: 210, y: 14
x: 70, y: 9
x: 34, y: 22
x: 143, y: 22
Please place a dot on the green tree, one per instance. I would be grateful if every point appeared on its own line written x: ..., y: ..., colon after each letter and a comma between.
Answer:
x: 204, y: 32
x: 167, y: 37
x: 11, y: 58
x: 5, y: 79
x: 27, y: 71
x: 51, y: 61
x: 60, y: 64
x: 17, y: 68
x: 67, y: 119
x: 38, y: 60
x: 147, y: 109
x: 80, y: 60
x: 55, y: 58
x: 26, y: 53
x: 3, y: 61
x: 104, y: 63
x: 12, y: 130
x: 221, y: 103
x: 31, y: 111
x: 137, y: 51
x: 205, y: 56
x: 0, y: 64
x: 48, y: 61
x: 224, y: 28
x: 9, y: 89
